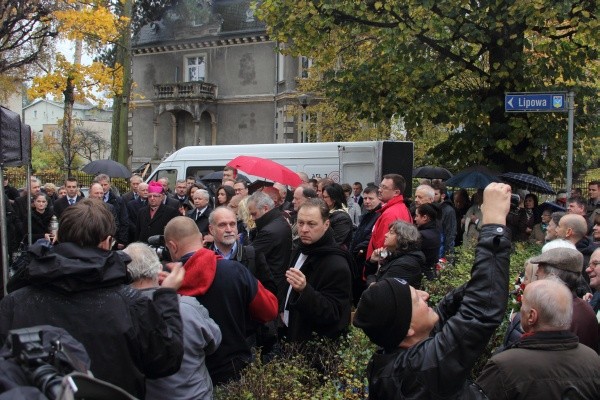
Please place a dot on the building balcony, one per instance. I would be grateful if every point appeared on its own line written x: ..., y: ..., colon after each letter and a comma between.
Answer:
x: 185, y: 91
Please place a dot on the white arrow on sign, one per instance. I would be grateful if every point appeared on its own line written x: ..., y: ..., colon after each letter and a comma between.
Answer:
x: 510, y: 101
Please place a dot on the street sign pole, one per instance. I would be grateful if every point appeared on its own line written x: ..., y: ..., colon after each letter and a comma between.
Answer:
x: 571, y: 106
x: 547, y: 102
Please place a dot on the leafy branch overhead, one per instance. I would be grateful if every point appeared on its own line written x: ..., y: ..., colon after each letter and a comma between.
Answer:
x: 449, y: 63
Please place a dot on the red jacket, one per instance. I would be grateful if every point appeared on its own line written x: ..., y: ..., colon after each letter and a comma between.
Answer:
x: 393, y: 210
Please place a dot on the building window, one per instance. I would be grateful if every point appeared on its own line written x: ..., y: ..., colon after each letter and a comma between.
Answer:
x: 305, y: 64
x: 195, y: 68
x: 280, y: 67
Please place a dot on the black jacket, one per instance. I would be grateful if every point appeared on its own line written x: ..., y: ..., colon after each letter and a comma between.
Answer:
x: 438, y: 367
x: 202, y: 220
x: 125, y: 334
x: 147, y: 226
x: 323, y: 307
x: 407, y: 266
x: 362, y: 235
x: 122, y: 234
x: 430, y: 246
x: 60, y: 205
x: 40, y: 224
x: 274, y: 239
x: 342, y: 227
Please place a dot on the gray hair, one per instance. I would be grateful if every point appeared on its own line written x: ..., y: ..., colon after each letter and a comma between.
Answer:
x: 553, y: 302
x: 101, y: 177
x: 202, y: 193
x: 144, y: 261
x: 408, y: 237
x: 557, y: 215
x: 571, y: 279
x: 261, y: 200
x: 428, y: 190
x: 211, y: 216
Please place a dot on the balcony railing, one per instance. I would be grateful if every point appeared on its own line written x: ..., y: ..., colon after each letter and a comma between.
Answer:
x: 185, y: 90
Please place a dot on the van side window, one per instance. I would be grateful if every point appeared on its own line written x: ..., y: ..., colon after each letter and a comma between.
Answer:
x: 170, y: 174
x: 200, y: 171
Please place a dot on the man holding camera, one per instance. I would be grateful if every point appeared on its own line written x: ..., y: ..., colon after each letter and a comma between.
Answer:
x: 80, y: 285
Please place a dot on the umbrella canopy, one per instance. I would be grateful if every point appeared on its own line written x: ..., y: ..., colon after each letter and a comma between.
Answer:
x: 265, y: 168
x: 551, y: 206
x: 471, y: 179
x: 529, y: 182
x: 217, y: 176
x: 430, y: 172
x: 109, y: 167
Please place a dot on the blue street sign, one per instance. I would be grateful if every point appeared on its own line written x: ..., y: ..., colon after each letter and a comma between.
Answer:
x: 535, y: 102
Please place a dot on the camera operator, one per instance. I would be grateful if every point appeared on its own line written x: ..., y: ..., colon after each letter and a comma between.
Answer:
x: 80, y: 285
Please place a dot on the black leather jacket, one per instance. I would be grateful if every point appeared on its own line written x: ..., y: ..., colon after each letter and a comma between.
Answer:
x: 438, y: 367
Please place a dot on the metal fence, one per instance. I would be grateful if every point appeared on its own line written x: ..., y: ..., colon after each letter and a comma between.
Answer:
x: 18, y: 179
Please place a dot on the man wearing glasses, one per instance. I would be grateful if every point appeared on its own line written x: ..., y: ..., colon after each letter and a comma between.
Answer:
x: 153, y: 218
x: 390, y: 193
x: 593, y: 271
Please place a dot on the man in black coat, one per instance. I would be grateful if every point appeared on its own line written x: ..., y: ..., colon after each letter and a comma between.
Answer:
x: 318, y: 291
x: 428, y: 353
x: 134, y: 183
x: 135, y: 205
x: 122, y: 234
x: 273, y: 235
x: 80, y: 286
x: 72, y: 196
x: 201, y: 211
x: 153, y: 218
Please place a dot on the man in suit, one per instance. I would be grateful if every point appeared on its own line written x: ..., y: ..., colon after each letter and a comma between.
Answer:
x: 201, y: 212
x: 134, y: 206
x: 152, y: 218
x: 181, y: 196
x: 134, y: 183
x: 357, y: 189
x: 122, y: 234
x: 71, y: 198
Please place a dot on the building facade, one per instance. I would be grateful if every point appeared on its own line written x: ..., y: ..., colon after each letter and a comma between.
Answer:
x: 209, y: 75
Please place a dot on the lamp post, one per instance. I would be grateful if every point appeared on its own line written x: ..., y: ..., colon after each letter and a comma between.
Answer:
x: 304, y: 99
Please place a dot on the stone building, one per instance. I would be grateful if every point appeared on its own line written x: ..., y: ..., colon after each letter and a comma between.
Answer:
x: 209, y: 75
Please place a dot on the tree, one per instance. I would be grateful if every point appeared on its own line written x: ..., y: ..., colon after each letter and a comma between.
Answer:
x: 449, y: 63
x: 92, y: 23
x: 90, y: 145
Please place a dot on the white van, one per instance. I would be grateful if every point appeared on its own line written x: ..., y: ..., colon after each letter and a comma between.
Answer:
x: 344, y: 162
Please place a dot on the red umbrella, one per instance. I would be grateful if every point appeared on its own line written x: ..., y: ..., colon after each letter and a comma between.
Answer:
x: 265, y: 168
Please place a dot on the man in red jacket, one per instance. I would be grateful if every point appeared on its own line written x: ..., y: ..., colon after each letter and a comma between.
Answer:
x: 228, y: 290
x: 390, y: 192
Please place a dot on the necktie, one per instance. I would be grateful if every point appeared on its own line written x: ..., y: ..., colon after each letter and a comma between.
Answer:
x: 197, y: 214
x: 135, y: 196
x: 71, y: 201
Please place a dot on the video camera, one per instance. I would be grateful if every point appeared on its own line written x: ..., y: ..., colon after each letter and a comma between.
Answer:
x: 157, y: 243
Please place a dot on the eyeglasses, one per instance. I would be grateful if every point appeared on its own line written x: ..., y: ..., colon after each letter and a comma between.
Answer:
x: 594, y: 264
x: 383, y: 187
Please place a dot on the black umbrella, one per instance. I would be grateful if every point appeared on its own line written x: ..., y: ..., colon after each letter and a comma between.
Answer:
x: 471, y: 179
x: 217, y: 176
x: 529, y: 182
x: 431, y: 172
x: 109, y: 167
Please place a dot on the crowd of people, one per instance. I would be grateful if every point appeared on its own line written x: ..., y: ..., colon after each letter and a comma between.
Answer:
x: 172, y: 288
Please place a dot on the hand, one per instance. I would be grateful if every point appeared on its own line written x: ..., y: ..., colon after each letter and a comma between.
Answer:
x: 376, y: 254
x: 50, y: 237
x: 473, y: 218
x: 587, y: 297
x: 174, y: 279
x: 296, y: 279
x: 496, y: 203
x: 207, y: 240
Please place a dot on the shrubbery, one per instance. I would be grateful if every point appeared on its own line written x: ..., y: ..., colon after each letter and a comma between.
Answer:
x: 326, y: 370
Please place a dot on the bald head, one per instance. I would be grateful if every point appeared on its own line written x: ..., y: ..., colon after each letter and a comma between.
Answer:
x: 572, y: 227
x: 96, y: 191
x: 547, y: 306
x: 182, y: 236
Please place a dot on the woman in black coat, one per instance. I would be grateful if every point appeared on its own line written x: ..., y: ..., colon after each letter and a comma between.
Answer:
x: 41, y: 214
x: 400, y: 256
x: 427, y: 219
x: 339, y: 219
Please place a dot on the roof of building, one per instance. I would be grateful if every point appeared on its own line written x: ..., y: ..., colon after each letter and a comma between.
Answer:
x: 226, y: 18
x: 60, y: 104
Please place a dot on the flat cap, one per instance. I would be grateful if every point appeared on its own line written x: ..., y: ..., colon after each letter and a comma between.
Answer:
x: 561, y: 258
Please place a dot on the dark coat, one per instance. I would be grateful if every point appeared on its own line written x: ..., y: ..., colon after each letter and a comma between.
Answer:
x: 362, y: 235
x: 40, y: 224
x: 542, y: 365
x: 202, y: 220
x: 430, y: 246
x: 127, y: 197
x: 171, y: 202
x: 323, y: 307
x: 133, y: 209
x: 274, y: 239
x: 407, y: 266
x: 439, y: 366
x: 147, y: 226
x: 341, y: 224
x: 125, y: 334
x: 448, y: 226
x: 122, y: 234
x: 61, y: 205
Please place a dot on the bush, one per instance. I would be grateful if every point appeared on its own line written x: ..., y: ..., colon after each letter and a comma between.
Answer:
x: 323, y: 369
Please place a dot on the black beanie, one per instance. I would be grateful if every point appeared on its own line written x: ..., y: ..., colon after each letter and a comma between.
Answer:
x: 384, y: 312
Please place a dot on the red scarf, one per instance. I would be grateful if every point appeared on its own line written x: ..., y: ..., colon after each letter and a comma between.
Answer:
x: 200, y: 272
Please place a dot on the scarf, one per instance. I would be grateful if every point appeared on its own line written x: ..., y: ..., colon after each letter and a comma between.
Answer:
x: 200, y: 270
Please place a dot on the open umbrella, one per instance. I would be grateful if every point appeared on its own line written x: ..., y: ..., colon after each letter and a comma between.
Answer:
x: 217, y: 176
x: 265, y: 168
x: 430, y: 172
x: 471, y: 179
x: 529, y: 182
x: 109, y: 167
